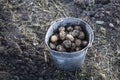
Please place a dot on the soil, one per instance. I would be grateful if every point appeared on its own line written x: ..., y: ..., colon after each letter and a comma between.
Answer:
x: 24, y: 56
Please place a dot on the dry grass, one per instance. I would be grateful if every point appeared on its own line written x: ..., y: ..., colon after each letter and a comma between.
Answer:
x: 99, y: 63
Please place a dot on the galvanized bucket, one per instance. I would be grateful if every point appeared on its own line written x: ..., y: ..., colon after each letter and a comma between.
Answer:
x: 69, y: 60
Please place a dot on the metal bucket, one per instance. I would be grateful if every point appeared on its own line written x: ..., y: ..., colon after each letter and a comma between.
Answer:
x: 69, y: 60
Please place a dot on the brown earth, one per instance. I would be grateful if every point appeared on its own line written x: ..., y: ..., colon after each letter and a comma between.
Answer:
x: 24, y: 56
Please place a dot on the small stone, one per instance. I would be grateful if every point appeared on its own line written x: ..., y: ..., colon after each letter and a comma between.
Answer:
x: 84, y: 43
x: 54, y: 38
x: 118, y: 58
x: 61, y: 29
x: 36, y: 24
x: 81, y: 35
x: 2, y: 49
x: 103, y: 30
x: 101, y: 15
x: 19, y: 61
x: 35, y: 43
x: 97, y: 15
x: 25, y: 17
x: 70, y: 37
x: 67, y: 43
x: 91, y: 13
x: 60, y: 48
x: 99, y: 22
x: 70, y: 28
x: 75, y: 33
x: 111, y: 25
x: 0, y: 43
x: 62, y: 35
x: 103, y: 77
x: 73, y: 46
x: 117, y: 52
x: 16, y: 78
x: 52, y: 46
x: 77, y: 28
x: 40, y: 78
x: 117, y: 21
x: 77, y: 42
x: 108, y: 12
x: 81, y: 3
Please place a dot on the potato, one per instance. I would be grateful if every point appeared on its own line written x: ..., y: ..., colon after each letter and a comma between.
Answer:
x: 70, y: 37
x: 67, y: 43
x: 54, y: 38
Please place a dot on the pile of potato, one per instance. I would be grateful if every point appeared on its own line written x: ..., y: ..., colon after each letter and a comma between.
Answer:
x: 68, y: 39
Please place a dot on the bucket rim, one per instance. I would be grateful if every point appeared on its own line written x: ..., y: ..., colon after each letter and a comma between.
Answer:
x: 74, y: 52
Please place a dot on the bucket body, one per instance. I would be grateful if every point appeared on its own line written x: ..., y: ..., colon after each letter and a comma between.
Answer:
x: 69, y: 60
